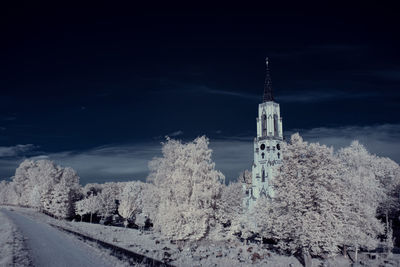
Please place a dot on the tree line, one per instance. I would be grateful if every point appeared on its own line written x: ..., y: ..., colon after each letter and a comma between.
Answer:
x: 324, y: 201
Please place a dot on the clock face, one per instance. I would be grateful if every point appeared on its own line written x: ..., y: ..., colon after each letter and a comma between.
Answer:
x: 278, y: 147
x: 262, y: 146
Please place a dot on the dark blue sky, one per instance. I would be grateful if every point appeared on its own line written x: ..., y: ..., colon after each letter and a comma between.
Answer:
x: 98, y: 87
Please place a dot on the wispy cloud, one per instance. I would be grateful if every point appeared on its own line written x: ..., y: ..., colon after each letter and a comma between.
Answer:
x: 302, y: 96
x: 227, y: 93
x: 14, y: 151
x: 389, y: 74
x: 8, y: 118
x: 174, y: 134
x: 322, y: 95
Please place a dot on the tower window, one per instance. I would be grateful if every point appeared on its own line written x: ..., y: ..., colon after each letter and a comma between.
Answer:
x: 276, y: 125
x: 263, y: 176
x: 279, y: 155
x: 262, y: 155
x: 264, y: 125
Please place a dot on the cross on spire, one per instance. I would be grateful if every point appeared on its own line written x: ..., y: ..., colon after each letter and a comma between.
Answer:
x: 267, y: 84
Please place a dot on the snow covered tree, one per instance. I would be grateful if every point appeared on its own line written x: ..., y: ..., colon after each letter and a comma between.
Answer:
x: 32, y: 177
x: 305, y: 215
x: 107, y: 198
x: 130, y: 202
x: 229, y: 206
x: 3, y: 188
x: 89, y: 205
x: 189, y: 189
x: 8, y: 194
x: 366, y: 192
x: 61, y: 201
x: 150, y: 200
x: 38, y: 184
x: 91, y: 189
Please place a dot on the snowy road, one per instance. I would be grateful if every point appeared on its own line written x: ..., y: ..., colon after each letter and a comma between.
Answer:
x: 50, y: 247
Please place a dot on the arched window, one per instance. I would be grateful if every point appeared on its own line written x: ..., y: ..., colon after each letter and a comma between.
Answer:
x: 276, y: 124
x: 262, y: 155
x: 263, y: 176
x: 264, y: 124
x: 279, y: 155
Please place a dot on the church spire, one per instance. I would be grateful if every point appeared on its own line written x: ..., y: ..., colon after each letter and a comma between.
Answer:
x: 267, y: 85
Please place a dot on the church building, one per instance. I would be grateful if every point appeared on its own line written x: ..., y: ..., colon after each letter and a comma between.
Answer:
x: 267, y: 146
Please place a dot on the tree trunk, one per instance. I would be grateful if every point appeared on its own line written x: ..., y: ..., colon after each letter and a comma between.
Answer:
x: 91, y: 215
x: 307, y: 259
x: 355, y: 255
x: 387, y: 223
x: 344, y: 251
x: 81, y: 218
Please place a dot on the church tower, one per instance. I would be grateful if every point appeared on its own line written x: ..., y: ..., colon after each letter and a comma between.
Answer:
x: 267, y: 145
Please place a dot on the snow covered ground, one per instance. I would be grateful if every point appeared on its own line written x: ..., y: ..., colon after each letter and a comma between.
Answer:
x: 205, y: 253
x: 13, y: 251
x: 45, y: 245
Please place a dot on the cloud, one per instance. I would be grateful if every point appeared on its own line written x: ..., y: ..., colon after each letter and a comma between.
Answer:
x: 177, y: 133
x: 13, y: 151
x: 228, y: 93
x: 108, y: 163
x: 231, y: 155
x: 322, y: 95
x: 8, y: 118
x: 390, y: 74
x: 302, y: 96
x: 382, y: 140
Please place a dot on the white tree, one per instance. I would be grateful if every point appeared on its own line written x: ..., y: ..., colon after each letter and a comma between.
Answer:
x: 306, y: 212
x: 229, y: 206
x: 107, y: 198
x: 32, y: 177
x: 130, y: 202
x: 38, y: 184
x: 89, y: 205
x: 245, y: 178
x: 189, y: 188
x: 8, y: 194
x: 149, y: 199
x: 61, y: 201
x: 365, y: 194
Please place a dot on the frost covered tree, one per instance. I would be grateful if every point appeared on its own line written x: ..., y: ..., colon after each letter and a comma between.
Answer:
x: 89, y: 205
x: 39, y: 184
x: 306, y: 212
x: 150, y: 200
x: 8, y: 194
x: 322, y: 200
x: 245, y: 177
x: 229, y: 206
x: 61, y: 201
x: 366, y: 193
x: 32, y: 177
x: 130, y: 201
x: 138, y: 199
x: 189, y: 189
x: 108, y: 199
